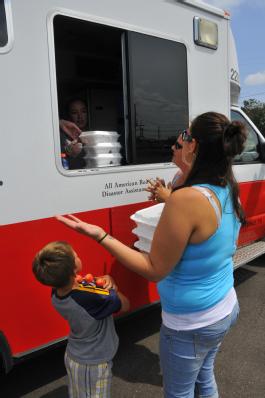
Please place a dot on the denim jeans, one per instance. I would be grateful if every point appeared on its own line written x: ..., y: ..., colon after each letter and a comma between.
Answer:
x: 187, y: 358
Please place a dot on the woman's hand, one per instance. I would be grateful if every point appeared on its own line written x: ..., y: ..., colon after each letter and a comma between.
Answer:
x: 162, y: 193
x: 90, y: 230
x: 158, y: 191
x: 151, y: 187
x: 70, y: 129
x: 73, y: 148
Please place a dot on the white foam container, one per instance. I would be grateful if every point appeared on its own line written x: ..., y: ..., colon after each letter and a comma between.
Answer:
x: 148, y: 216
x: 103, y: 160
x: 96, y: 137
x: 146, y: 221
x: 144, y: 231
x: 144, y: 246
x: 102, y: 148
x: 143, y: 243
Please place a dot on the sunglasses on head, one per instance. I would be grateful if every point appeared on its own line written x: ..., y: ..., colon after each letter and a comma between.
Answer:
x: 185, y: 136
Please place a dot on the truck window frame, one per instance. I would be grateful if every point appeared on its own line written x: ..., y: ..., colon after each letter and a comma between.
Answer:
x: 240, y: 159
x: 54, y: 94
x: 8, y: 21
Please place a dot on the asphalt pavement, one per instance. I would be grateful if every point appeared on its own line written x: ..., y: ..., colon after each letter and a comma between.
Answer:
x: 240, y: 364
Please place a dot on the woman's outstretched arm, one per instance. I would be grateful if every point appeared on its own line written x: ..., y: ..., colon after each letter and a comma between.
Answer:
x: 132, y: 259
x: 170, y: 239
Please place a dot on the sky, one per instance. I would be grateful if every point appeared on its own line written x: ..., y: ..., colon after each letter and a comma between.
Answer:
x: 248, y: 26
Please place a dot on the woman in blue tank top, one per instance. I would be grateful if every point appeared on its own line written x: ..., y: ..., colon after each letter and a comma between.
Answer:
x: 191, y: 255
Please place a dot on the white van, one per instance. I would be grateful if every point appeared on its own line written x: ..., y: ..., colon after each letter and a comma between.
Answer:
x: 144, y: 70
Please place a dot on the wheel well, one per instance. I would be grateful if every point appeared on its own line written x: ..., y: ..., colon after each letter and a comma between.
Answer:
x: 6, y: 360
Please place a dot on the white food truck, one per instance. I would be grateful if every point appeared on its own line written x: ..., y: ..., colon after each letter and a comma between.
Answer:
x: 144, y: 69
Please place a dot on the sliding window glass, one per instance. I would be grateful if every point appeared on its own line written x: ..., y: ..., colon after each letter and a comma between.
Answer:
x: 158, y: 96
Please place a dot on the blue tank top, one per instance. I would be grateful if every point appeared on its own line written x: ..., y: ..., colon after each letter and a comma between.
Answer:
x: 204, y: 274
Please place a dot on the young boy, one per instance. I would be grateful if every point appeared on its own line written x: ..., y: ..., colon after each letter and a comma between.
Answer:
x: 93, y: 341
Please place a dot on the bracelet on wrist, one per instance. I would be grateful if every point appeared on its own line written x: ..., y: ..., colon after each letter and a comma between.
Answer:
x: 103, y: 237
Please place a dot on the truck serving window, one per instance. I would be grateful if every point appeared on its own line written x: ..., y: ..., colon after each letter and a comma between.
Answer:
x: 127, y: 92
x: 250, y: 153
x: 3, y: 25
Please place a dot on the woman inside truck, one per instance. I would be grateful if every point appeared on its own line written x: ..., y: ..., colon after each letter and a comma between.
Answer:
x: 191, y: 255
x: 77, y: 121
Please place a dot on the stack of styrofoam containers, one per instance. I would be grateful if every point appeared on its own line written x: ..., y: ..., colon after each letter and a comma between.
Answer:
x: 101, y: 148
x: 146, y: 221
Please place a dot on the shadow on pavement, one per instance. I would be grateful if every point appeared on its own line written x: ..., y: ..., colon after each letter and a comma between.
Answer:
x: 258, y: 262
x: 243, y: 274
x: 61, y: 392
x: 132, y: 357
x: 34, y: 373
x: 47, y: 367
x: 132, y: 366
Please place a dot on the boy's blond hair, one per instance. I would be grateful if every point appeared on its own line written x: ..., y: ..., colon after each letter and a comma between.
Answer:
x: 54, y: 265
